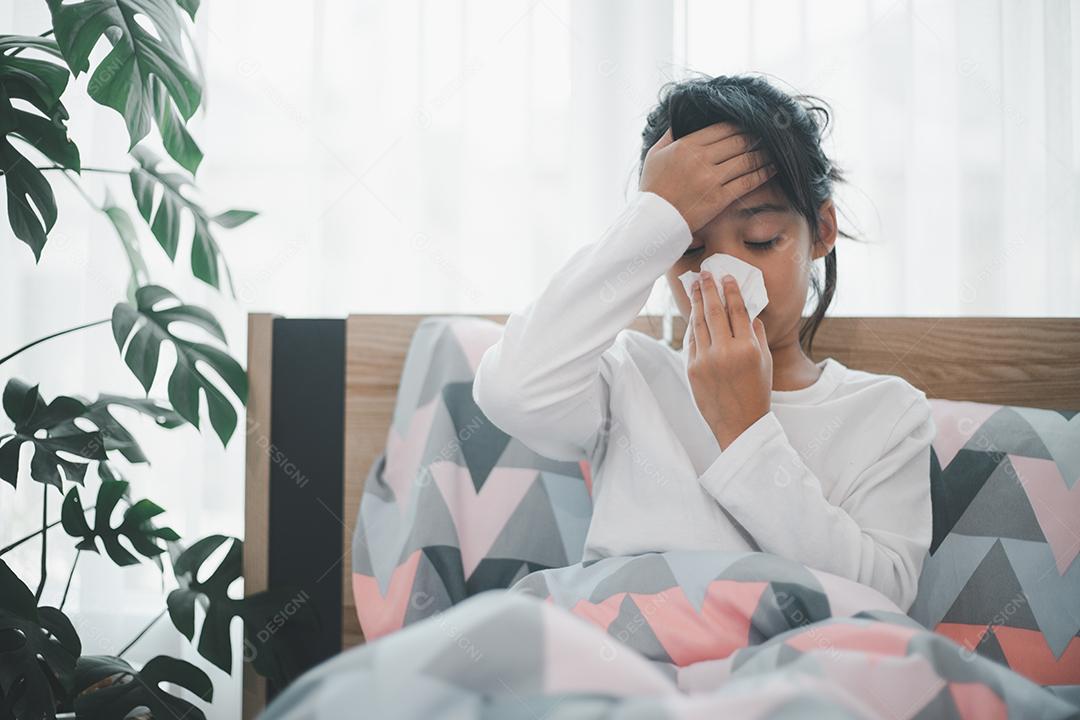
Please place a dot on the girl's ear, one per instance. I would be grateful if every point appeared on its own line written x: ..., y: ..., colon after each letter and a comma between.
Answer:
x: 826, y: 238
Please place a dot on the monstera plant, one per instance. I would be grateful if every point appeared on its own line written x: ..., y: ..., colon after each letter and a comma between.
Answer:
x: 148, y: 76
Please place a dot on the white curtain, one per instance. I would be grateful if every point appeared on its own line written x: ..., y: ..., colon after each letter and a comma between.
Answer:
x: 437, y: 156
x: 957, y: 122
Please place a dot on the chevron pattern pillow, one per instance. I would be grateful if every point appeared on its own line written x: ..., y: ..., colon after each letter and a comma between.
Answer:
x: 1002, y: 577
x: 454, y: 506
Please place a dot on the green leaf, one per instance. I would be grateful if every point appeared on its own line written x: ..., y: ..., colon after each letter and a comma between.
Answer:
x: 144, y: 326
x: 30, y: 200
x: 18, y: 42
x: 30, y: 414
x: 129, y: 240
x: 118, y: 437
x: 191, y: 6
x: 136, y: 525
x: 234, y: 218
x: 108, y: 688
x: 215, y: 642
x: 38, y: 650
x: 174, y: 133
x: 162, y: 414
x: 39, y: 82
x: 108, y: 474
x: 161, y: 201
x: 277, y: 623
x: 140, y: 65
x: 48, y: 138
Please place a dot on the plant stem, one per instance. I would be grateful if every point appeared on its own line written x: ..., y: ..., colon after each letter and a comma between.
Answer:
x: 142, y: 632
x: 50, y: 337
x: 111, y: 171
x: 44, y: 540
x: 71, y: 574
x: 89, y: 200
x: 33, y: 535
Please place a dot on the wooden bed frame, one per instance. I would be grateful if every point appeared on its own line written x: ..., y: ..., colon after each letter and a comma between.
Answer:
x: 343, y: 379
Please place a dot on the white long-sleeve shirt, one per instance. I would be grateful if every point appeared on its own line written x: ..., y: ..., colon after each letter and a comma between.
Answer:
x: 835, y: 475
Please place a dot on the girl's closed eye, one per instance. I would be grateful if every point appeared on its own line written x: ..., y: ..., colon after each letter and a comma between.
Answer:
x: 759, y: 246
x: 762, y: 245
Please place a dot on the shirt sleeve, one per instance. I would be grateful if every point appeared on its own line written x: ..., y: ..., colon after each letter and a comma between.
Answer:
x: 879, y: 533
x: 544, y: 382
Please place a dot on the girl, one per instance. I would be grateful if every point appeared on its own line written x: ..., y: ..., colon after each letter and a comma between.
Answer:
x: 737, y: 441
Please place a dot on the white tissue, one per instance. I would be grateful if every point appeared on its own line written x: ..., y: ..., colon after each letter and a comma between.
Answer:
x: 749, y: 278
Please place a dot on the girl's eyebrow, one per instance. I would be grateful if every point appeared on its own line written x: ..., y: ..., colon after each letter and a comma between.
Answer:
x: 761, y: 208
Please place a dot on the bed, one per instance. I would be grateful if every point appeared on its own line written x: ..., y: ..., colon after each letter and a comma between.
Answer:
x: 323, y: 395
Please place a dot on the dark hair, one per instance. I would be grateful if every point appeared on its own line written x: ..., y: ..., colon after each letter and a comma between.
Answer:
x: 788, y: 127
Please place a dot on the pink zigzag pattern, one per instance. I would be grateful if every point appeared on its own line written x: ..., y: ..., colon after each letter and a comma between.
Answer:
x: 479, y: 517
x: 687, y: 636
x: 1056, y: 506
x: 381, y: 615
x: 957, y: 422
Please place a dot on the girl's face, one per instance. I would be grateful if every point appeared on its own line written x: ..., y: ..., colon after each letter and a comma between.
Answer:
x: 762, y: 229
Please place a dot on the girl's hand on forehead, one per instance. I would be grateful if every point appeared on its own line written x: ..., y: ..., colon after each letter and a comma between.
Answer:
x: 702, y: 173
x: 729, y: 363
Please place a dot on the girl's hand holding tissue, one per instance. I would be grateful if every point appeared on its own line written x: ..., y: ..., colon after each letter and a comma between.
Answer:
x: 729, y: 363
x: 703, y: 172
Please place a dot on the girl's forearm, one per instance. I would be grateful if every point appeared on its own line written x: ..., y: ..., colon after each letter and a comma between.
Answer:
x: 542, y: 380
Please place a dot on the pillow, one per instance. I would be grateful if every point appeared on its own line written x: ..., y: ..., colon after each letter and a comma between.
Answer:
x: 454, y: 506
x: 1002, y: 577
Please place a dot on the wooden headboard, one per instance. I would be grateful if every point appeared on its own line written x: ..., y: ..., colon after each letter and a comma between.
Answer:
x: 325, y: 420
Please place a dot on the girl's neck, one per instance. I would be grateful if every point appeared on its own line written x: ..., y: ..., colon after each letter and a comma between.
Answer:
x: 792, y: 369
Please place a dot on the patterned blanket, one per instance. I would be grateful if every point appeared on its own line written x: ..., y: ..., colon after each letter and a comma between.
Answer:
x: 687, y: 634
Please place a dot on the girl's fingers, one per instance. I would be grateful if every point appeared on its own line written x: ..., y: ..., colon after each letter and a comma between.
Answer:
x: 728, y: 148
x: 715, y: 315
x: 702, y: 338
x: 711, y: 134
x: 741, y: 164
x: 736, y: 308
x: 745, y: 183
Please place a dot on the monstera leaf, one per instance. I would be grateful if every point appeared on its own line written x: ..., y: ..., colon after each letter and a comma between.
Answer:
x: 46, y: 136
x: 142, y: 328
x: 39, y: 82
x: 146, y: 77
x: 38, y: 650
x: 275, y: 622
x: 211, y: 594
x: 160, y: 197
x: 108, y: 688
x: 25, y: 408
x: 117, y: 437
x: 174, y: 133
x: 136, y: 525
x: 30, y: 200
